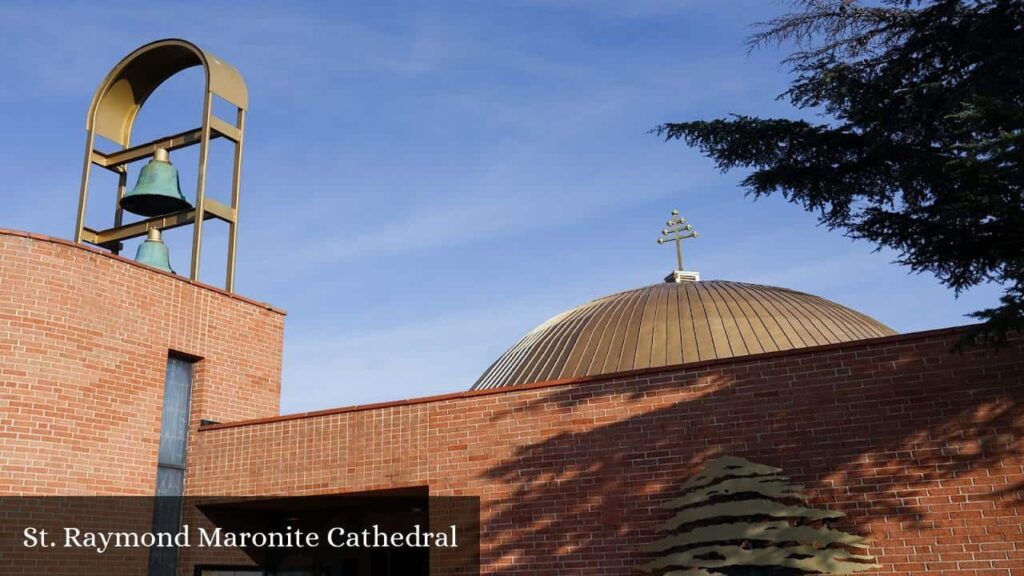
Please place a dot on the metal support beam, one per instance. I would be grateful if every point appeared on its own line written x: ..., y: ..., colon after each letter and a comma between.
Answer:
x: 236, y: 184
x: 222, y: 128
x: 204, y: 154
x: 109, y: 237
x: 128, y: 155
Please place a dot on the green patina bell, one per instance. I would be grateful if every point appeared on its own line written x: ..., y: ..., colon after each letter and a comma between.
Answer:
x: 153, y: 252
x: 157, y: 192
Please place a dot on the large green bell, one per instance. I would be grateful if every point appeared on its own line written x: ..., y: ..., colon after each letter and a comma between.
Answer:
x: 157, y: 191
x: 153, y: 252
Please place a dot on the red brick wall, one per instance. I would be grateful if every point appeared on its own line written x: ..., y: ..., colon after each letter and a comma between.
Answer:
x: 921, y: 448
x: 84, y: 338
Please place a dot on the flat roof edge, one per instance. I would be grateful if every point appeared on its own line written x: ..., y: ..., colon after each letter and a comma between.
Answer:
x: 100, y: 252
x: 892, y: 339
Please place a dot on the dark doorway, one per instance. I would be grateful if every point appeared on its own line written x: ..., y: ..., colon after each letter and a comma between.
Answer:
x: 387, y: 511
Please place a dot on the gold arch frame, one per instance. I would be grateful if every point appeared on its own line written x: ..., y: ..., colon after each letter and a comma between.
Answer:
x: 112, y: 114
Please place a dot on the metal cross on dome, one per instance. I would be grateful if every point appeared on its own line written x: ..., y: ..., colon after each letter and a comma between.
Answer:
x: 677, y: 231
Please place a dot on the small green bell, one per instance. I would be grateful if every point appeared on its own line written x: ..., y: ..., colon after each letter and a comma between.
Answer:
x: 153, y: 252
x: 157, y: 191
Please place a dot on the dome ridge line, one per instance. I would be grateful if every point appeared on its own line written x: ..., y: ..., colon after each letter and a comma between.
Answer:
x: 675, y: 323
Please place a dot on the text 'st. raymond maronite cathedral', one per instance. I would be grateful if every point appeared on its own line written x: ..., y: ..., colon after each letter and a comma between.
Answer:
x: 689, y: 427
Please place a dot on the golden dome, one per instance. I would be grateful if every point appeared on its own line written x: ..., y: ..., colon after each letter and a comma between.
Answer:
x: 675, y: 323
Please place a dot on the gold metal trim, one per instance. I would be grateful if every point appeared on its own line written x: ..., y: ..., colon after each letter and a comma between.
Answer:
x: 222, y: 128
x: 146, y: 150
x: 116, y: 104
x: 674, y: 323
x: 677, y: 231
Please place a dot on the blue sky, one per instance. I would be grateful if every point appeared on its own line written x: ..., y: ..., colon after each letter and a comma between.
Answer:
x: 424, y: 182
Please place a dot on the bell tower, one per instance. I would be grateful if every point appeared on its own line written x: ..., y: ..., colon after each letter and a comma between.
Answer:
x: 157, y: 195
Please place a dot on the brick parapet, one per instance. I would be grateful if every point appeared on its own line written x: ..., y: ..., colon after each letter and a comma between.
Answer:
x: 84, y: 339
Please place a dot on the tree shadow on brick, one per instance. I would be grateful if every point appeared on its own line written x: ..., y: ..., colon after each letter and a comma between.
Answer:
x: 909, y: 439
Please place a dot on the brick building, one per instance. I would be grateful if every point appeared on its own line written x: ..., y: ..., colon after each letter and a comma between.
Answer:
x: 572, y: 440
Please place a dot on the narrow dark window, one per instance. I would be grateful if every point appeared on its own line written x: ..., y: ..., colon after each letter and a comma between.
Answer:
x: 170, y: 471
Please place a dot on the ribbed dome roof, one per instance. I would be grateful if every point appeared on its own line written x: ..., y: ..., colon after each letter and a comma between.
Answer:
x: 675, y: 323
